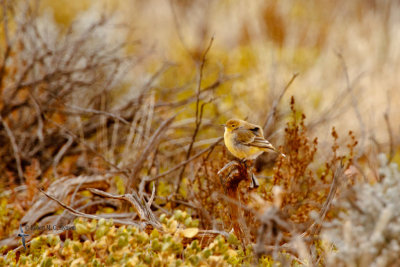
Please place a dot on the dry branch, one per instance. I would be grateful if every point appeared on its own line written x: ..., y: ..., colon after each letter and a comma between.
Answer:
x: 97, y: 112
x: 272, y: 114
x: 151, y: 145
x: 177, y: 167
x: 354, y: 102
x: 143, y: 210
x: 85, y: 215
x: 273, y: 224
x: 17, y: 153
x: 315, y: 227
x: 390, y: 132
x: 47, y: 74
x: 199, y: 112
x: 231, y: 187
x: 42, y: 208
x: 60, y: 189
x: 89, y: 147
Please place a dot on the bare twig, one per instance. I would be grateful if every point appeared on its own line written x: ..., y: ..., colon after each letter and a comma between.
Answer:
x: 273, y: 224
x: 39, y: 119
x: 171, y: 199
x: 389, y: 130
x: 151, y: 144
x: 153, y: 193
x: 177, y: 167
x: 271, y: 115
x: 154, y: 77
x: 192, y: 98
x: 315, y: 227
x: 67, y: 131
x: 15, y: 148
x: 177, y: 26
x: 71, y: 201
x: 332, y: 112
x: 18, y: 189
x: 48, y: 76
x: 61, y: 153
x: 199, y: 111
x: 353, y: 101
x: 98, y: 112
x: 143, y: 211
x: 85, y: 215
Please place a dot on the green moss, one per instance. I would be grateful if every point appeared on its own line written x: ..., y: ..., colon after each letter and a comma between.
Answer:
x: 128, y: 246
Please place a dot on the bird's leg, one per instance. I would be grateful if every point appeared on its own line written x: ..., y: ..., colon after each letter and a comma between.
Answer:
x: 254, y: 181
x: 243, y: 162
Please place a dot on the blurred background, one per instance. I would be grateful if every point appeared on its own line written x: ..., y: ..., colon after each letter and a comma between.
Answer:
x: 136, y: 91
x: 346, y: 52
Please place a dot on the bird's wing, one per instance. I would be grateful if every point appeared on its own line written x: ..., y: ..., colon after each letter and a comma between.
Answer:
x: 23, y: 242
x: 256, y: 130
x: 249, y: 138
x: 20, y: 228
x: 262, y: 143
x: 244, y: 136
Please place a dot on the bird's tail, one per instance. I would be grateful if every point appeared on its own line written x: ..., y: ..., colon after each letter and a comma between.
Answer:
x: 265, y: 145
x: 277, y: 151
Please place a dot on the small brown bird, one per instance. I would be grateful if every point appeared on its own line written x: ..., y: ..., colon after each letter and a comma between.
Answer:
x: 246, y: 141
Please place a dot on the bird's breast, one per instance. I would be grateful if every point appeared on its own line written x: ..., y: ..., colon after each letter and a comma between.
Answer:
x: 238, y: 149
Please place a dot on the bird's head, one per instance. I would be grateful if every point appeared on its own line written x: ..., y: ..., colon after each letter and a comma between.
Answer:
x: 232, y: 124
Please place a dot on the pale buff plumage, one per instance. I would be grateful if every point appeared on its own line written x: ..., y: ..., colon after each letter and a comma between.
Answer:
x: 246, y: 142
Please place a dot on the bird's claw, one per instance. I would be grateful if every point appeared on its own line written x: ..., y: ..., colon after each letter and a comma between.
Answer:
x: 254, y: 182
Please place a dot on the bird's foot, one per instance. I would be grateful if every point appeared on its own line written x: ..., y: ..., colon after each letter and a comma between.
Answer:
x: 254, y: 182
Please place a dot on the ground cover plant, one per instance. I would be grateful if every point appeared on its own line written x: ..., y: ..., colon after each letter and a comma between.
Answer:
x: 112, y: 151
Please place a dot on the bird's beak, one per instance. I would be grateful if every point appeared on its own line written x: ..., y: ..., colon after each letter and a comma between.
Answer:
x: 223, y: 125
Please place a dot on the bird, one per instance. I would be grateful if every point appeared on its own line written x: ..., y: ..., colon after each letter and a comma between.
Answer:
x: 246, y: 142
x: 22, y: 234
